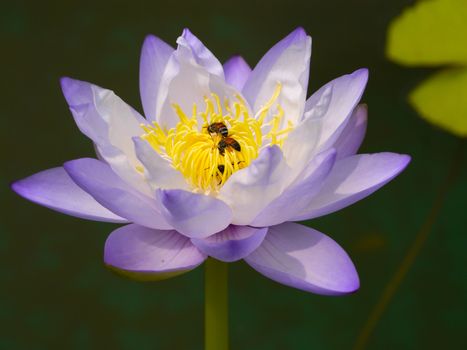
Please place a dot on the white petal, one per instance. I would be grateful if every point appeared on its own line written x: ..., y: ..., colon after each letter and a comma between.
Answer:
x: 353, y: 134
x: 203, y: 56
x: 158, y: 171
x: 187, y: 80
x: 326, y: 116
x: 297, y: 197
x: 300, y: 146
x: 249, y: 190
x: 287, y: 62
x: 110, y: 123
x: 332, y: 105
x: 155, y: 55
x: 192, y: 214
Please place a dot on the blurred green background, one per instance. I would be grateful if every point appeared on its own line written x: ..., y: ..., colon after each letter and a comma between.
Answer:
x: 408, y: 240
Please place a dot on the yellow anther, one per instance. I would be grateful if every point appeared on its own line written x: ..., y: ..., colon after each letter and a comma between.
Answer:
x: 197, y: 154
x: 179, y: 112
x: 263, y: 111
x: 194, y: 110
x: 218, y: 103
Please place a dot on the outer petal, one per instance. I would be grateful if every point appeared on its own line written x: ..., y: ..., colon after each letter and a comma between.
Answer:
x: 110, y: 123
x: 232, y: 244
x: 237, y: 72
x: 332, y: 105
x: 352, y: 179
x: 203, y: 56
x: 287, y: 62
x: 353, y: 134
x: 155, y: 54
x: 54, y: 189
x: 249, y: 190
x: 98, y: 179
x: 146, y: 254
x: 158, y: 171
x: 327, y: 112
x: 194, y: 215
x: 297, y: 197
x: 303, y: 258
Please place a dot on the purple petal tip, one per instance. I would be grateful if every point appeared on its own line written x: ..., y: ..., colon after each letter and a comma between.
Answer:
x: 236, y: 58
x: 65, y: 82
x: 300, y: 31
x: 352, y: 286
x: 16, y: 187
x: 150, y: 37
x: 402, y: 162
x: 148, y: 40
x: 406, y: 159
x: 297, y: 34
x: 186, y: 33
x: 363, y: 72
x: 70, y: 87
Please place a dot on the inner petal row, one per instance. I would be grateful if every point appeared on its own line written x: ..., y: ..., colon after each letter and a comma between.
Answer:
x: 208, y: 147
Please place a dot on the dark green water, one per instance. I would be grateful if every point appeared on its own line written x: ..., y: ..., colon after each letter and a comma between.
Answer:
x: 55, y: 292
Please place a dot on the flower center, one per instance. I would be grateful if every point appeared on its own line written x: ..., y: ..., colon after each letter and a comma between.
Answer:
x: 208, y: 147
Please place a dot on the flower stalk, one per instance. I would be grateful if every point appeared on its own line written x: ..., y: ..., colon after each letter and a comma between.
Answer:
x: 216, y: 305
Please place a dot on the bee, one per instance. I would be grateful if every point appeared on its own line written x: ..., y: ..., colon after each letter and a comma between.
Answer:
x: 221, y: 167
x: 218, y: 128
x: 228, y: 142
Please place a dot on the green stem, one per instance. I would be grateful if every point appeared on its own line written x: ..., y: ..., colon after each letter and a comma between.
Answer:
x: 216, y: 306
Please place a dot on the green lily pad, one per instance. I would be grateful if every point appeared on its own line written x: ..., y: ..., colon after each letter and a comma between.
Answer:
x: 432, y: 32
x: 442, y: 100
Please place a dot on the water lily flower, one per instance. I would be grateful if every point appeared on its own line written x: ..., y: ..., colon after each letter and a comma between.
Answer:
x: 223, y: 163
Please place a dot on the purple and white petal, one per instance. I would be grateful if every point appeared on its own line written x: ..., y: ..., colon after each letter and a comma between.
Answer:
x: 251, y: 189
x: 101, y: 115
x: 155, y: 55
x: 352, y: 179
x: 203, y: 56
x: 146, y: 254
x: 298, y: 196
x: 326, y: 116
x: 54, y: 189
x: 287, y: 62
x: 187, y: 80
x: 194, y: 215
x: 332, y: 105
x: 353, y: 134
x: 158, y: 171
x: 233, y: 243
x: 303, y: 258
x: 110, y: 123
x: 237, y: 72
x: 300, y: 147
x: 98, y: 179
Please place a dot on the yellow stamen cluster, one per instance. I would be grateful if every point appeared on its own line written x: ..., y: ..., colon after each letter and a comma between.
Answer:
x: 196, y: 152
